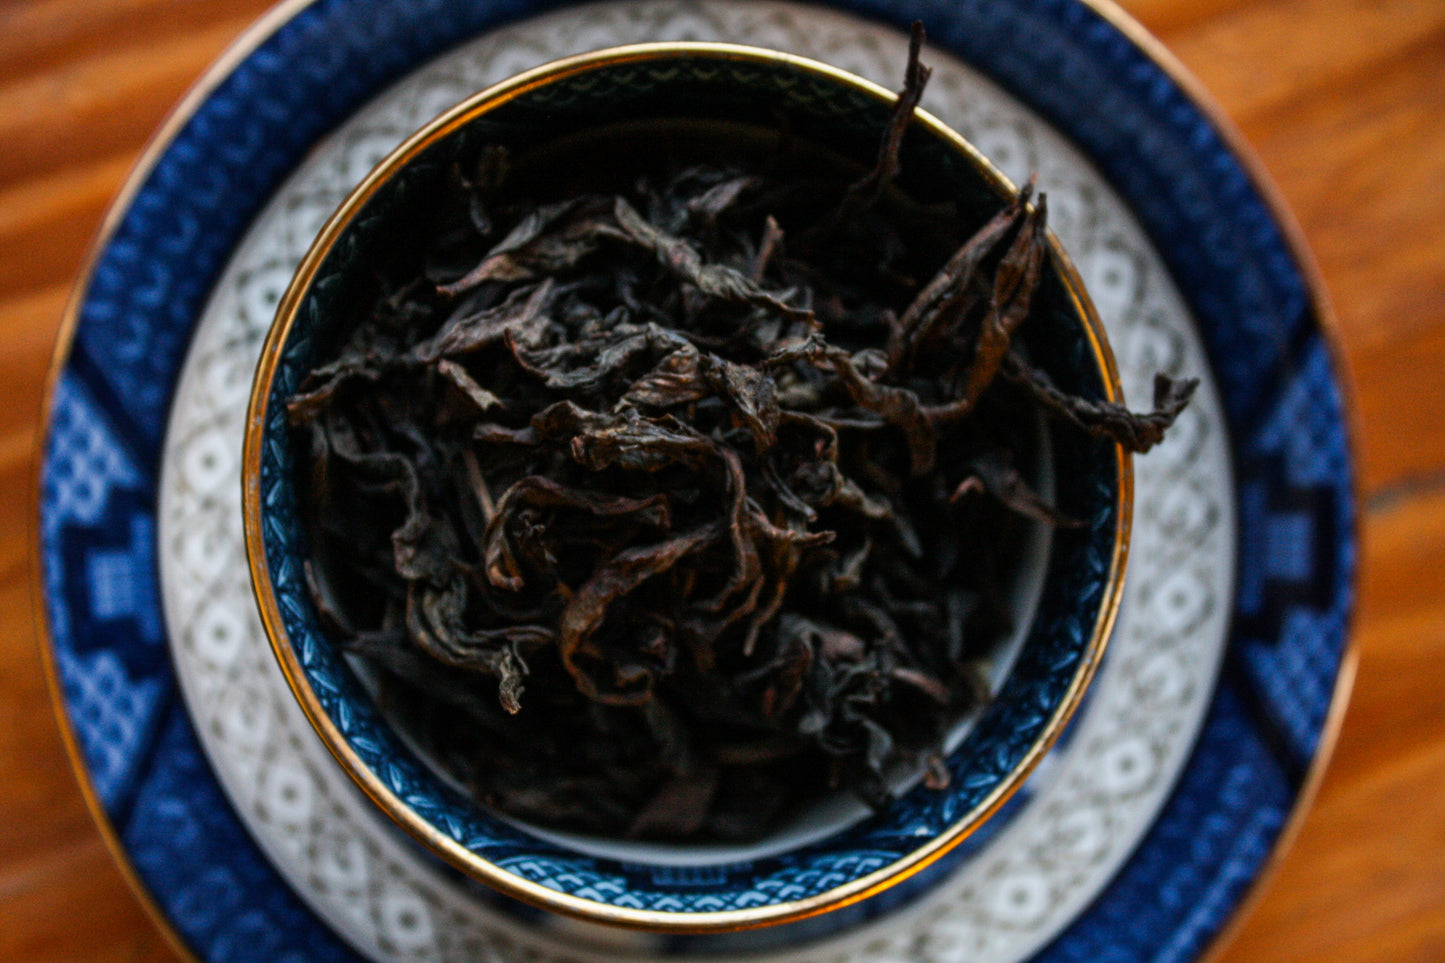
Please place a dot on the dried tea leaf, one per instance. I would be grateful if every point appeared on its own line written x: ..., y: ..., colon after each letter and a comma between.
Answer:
x: 1135, y: 432
x: 550, y: 238
x: 714, y: 280
x: 587, y: 608
x: 1001, y: 480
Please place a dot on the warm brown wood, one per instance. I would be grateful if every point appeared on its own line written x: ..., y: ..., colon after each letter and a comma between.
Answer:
x: 1343, y: 101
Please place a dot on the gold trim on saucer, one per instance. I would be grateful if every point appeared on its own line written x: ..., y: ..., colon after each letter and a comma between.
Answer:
x: 397, y: 809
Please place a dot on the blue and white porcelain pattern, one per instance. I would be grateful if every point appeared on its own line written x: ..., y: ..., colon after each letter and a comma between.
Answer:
x: 1137, y: 842
x: 1126, y: 762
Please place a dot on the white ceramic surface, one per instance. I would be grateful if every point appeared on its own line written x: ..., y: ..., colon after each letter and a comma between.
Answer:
x: 1088, y: 806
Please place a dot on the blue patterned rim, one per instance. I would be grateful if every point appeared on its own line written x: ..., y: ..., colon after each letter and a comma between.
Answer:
x: 1224, y: 246
x: 1080, y: 591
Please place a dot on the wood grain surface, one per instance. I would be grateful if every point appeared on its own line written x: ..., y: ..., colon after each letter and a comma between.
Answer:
x: 1343, y: 101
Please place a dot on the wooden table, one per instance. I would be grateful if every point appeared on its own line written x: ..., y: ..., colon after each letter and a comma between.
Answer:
x: 1344, y: 101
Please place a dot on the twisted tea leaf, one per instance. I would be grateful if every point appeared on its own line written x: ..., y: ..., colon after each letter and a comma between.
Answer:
x: 1135, y: 432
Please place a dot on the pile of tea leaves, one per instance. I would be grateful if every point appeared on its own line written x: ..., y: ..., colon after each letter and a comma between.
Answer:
x: 659, y: 512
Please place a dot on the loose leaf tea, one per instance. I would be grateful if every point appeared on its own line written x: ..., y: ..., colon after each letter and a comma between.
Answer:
x: 659, y: 511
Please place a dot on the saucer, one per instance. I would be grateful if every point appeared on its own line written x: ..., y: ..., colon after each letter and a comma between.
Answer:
x: 1142, y: 832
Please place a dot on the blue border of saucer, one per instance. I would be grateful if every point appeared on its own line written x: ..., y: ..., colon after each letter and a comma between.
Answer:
x: 1225, y: 248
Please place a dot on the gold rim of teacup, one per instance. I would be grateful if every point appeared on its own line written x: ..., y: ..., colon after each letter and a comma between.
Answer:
x: 407, y: 818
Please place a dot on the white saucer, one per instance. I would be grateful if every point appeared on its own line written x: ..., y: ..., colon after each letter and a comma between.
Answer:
x: 1086, y: 809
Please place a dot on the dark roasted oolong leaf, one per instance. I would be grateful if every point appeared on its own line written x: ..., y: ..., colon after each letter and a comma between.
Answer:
x: 662, y: 510
x: 1135, y: 432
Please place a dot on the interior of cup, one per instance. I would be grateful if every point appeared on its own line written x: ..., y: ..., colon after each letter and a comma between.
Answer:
x: 693, y: 99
